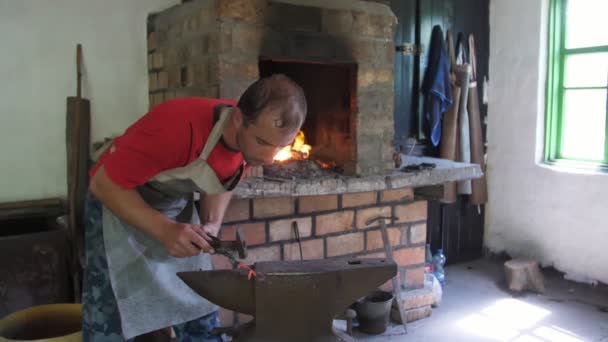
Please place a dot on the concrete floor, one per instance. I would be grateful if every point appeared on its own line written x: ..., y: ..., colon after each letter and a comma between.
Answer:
x: 476, y: 307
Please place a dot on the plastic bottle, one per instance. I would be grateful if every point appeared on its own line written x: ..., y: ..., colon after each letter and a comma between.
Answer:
x: 439, y: 261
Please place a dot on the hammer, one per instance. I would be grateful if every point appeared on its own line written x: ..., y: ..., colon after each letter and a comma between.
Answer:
x: 389, y: 255
x: 225, y: 247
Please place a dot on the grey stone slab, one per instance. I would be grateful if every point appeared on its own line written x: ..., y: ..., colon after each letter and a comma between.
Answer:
x: 444, y: 171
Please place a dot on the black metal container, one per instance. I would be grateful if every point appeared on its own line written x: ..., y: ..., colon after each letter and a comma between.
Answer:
x: 34, y: 254
x: 373, y: 312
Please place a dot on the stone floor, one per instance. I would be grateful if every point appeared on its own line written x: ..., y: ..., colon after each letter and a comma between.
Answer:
x: 476, y: 307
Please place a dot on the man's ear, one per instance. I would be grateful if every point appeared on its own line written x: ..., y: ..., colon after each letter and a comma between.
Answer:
x: 237, y: 117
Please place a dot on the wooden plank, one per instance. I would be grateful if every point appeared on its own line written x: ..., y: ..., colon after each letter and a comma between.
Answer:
x: 51, y: 207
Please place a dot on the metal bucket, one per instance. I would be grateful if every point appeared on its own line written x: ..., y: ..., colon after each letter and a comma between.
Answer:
x: 373, y: 312
x: 45, y: 323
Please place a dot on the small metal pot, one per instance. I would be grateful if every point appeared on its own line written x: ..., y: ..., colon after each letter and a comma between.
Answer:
x: 373, y: 312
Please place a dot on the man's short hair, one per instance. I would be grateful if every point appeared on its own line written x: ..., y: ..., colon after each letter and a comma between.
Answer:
x: 276, y: 92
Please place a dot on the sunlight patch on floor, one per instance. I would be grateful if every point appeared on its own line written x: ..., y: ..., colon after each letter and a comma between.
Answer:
x: 513, y: 320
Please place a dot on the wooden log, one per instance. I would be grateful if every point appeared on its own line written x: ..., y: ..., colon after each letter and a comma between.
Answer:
x: 524, y: 274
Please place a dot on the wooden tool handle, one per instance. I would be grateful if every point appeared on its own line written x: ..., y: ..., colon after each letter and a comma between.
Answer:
x: 473, y: 56
x: 78, y: 70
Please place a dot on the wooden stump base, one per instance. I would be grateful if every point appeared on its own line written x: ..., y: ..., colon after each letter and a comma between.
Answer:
x: 524, y: 274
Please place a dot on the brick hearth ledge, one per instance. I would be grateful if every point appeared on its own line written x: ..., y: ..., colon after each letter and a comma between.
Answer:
x: 445, y: 171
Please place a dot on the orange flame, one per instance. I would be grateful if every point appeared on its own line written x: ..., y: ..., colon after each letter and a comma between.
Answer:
x: 298, y: 150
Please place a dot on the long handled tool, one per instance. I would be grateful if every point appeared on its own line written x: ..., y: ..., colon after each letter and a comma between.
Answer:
x: 78, y: 120
x: 479, y: 188
x: 389, y: 255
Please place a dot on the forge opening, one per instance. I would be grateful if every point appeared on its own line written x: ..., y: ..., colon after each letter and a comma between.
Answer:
x: 330, y: 126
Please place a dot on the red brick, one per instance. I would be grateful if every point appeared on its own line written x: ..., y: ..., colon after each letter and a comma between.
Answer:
x: 229, y: 70
x: 152, y: 41
x: 364, y: 214
x: 372, y: 255
x: 238, y: 210
x: 170, y: 95
x: 152, y: 81
x: 396, y: 195
x: 365, y: 78
x: 226, y: 317
x: 339, y: 22
x: 254, y: 233
x: 247, y: 38
x: 271, y: 253
x: 283, y: 229
x: 220, y: 262
x: 309, y: 204
x: 158, y: 98
x: 335, y: 222
x: 241, y: 10
x: 163, y: 80
x: 409, y: 256
x: 157, y: 60
x: 359, y: 199
x: 272, y: 207
x: 411, y: 212
x: 412, y: 314
x: 311, y: 249
x: 418, y: 233
x: 174, y: 57
x: 174, y: 78
x: 413, y: 278
x: 205, y: 16
x: 344, y: 244
x: 374, y: 238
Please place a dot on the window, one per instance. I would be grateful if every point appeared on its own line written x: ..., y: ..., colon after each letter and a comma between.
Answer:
x: 577, y: 82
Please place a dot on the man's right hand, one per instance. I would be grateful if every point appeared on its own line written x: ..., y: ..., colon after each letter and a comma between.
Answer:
x: 185, y: 240
x: 180, y: 239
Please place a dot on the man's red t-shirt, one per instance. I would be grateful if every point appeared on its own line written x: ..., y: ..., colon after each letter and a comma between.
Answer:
x: 171, y: 135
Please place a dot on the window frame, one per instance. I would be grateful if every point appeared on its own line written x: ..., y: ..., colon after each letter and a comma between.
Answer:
x: 555, y: 91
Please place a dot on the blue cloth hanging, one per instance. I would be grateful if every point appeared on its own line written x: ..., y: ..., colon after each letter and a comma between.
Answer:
x: 436, y: 85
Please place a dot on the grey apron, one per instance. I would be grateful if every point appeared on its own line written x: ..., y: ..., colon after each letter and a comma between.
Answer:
x: 148, y: 292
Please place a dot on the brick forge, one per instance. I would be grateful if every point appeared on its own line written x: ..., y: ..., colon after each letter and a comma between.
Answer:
x: 330, y: 226
x: 342, y: 54
x: 216, y: 48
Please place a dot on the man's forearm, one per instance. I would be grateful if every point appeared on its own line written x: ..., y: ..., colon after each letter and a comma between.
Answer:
x: 128, y: 205
x: 213, y: 208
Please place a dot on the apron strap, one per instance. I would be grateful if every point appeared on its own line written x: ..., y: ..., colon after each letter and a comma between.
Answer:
x: 216, y: 132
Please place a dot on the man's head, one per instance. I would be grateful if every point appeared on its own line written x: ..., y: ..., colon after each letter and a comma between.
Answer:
x: 269, y: 115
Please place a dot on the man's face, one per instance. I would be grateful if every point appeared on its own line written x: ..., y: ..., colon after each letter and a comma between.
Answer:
x: 261, y: 140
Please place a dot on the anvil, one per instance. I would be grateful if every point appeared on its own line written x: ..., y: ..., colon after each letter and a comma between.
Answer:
x: 292, y: 300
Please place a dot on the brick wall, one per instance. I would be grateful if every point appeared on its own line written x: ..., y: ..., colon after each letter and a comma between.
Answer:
x: 212, y: 49
x: 331, y: 226
x: 183, y: 47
